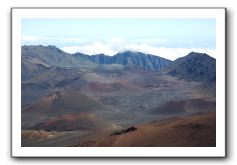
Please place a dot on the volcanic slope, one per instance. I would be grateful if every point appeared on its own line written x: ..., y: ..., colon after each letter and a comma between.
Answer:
x: 189, y: 131
x: 58, y: 104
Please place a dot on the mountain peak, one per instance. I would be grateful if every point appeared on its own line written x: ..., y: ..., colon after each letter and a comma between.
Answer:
x: 195, y: 66
x: 50, y: 55
x: 196, y: 54
x: 128, y: 51
x: 132, y: 52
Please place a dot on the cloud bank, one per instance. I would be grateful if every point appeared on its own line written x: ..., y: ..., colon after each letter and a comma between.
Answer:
x: 156, y: 46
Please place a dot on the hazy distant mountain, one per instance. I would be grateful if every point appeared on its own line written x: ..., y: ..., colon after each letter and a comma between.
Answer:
x: 128, y: 58
x: 52, y: 56
x: 47, y: 56
x: 198, y: 67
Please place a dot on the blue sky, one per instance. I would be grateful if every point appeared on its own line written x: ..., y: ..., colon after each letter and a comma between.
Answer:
x: 163, y: 37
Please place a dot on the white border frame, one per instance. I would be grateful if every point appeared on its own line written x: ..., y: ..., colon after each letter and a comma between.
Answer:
x: 217, y: 13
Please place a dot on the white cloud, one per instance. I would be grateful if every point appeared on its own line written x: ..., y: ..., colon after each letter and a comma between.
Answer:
x: 94, y: 48
x: 111, y: 49
x: 169, y: 53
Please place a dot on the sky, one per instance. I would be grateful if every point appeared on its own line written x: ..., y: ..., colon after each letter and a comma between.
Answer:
x: 165, y: 37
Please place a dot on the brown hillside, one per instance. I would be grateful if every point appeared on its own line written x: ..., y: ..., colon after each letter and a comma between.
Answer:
x: 190, y: 131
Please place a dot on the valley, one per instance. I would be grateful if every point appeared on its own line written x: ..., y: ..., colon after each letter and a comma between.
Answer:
x: 81, y: 100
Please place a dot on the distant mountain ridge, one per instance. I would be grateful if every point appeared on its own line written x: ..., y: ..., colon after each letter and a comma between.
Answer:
x: 146, y: 61
x: 195, y: 66
x: 53, y: 56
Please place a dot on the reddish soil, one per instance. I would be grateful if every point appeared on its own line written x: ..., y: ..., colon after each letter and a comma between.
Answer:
x: 190, y: 131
